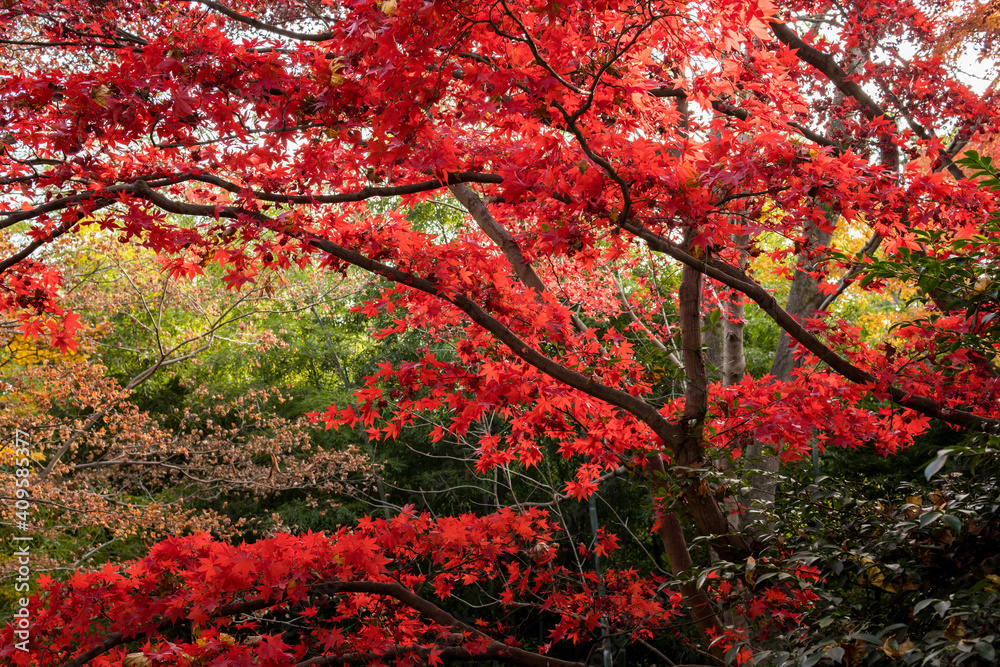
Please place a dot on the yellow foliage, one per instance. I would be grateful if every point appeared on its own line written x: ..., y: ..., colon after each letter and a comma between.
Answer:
x: 9, y: 457
x: 23, y: 351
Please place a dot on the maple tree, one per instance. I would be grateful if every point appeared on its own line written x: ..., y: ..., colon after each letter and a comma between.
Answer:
x: 592, y: 144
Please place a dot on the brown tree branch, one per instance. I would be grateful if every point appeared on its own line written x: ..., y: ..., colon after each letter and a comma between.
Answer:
x: 109, y: 194
x: 494, y: 649
x: 827, y: 65
x: 737, y: 279
x: 102, y: 197
x: 266, y: 27
x: 743, y: 114
x: 358, y: 195
x: 499, y: 235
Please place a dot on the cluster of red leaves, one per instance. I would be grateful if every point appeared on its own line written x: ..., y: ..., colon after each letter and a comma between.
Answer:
x: 820, y: 407
x: 341, y: 589
x: 58, y: 326
x: 378, y: 68
x: 483, y: 377
x: 772, y: 609
x: 815, y: 407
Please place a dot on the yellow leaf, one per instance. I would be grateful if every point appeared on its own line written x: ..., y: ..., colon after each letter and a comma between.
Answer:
x: 101, y: 95
x: 956, y: 630
x: 895, y: 650
x: 136, y: 660
x: 336, y: 67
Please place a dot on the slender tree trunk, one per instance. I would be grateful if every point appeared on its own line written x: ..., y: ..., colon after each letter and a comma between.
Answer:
x: 734, y: 366
x: 691, y: 453
x: 676, y: 548
x: 713, y: 338
x: 699, y: 606
x: 803, y: 297
x: 734, y: 363
x: 760, y: 464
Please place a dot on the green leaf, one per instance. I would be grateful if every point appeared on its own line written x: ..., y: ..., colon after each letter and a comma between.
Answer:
x: 953, y: 522
x: 812, y: 660
x: 929, y: 518
x: 934, y: 466
x: 985, y: 649
x: 766, y: 576
x: 890, y: 629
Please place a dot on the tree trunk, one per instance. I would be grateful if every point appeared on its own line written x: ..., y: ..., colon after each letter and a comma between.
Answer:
x: 690, y: 454
x: 734, y: 363
x: 760, y: 464
x: 713, y: 338
x: 699, y: 606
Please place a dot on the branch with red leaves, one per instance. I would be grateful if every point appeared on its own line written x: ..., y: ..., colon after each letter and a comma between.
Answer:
x: 182, y: 601
x: 705, y: 510
x: 737, y: 279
